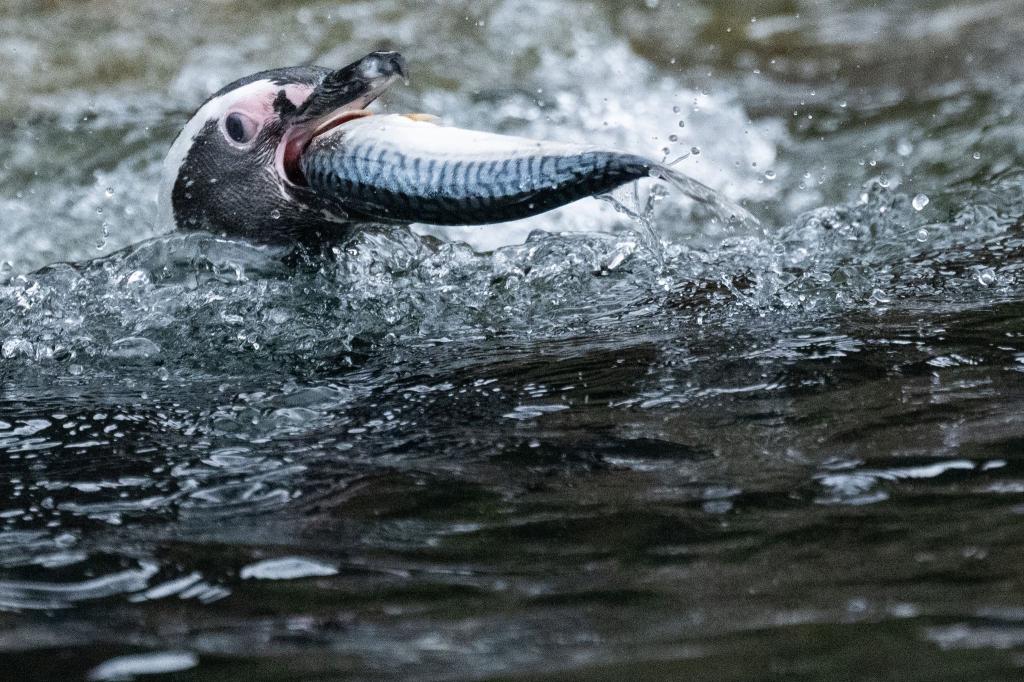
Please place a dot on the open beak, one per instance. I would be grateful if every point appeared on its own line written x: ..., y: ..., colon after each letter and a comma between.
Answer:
x: 342, y: 96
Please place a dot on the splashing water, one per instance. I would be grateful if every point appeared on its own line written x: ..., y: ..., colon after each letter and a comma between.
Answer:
x: 628, y: 435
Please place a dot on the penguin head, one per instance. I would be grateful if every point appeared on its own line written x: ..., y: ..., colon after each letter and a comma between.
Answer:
x: 234, y: 168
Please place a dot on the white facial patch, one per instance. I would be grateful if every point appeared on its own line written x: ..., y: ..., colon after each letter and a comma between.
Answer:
x: 255, y: 99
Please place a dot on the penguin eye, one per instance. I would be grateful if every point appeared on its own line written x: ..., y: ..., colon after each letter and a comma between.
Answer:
x: 239, y: 127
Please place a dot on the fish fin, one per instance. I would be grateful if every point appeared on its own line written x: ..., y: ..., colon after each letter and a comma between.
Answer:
x: 424, y: 118
x: 725, y: 208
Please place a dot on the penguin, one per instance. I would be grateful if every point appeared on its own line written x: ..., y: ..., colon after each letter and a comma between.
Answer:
x: 293, y: 156
x: 234, y: 170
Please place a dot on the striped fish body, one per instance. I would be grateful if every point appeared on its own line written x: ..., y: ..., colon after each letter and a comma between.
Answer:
x: 399, y: 169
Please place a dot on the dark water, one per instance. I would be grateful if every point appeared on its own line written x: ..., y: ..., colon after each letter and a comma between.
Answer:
x: 615, y: 448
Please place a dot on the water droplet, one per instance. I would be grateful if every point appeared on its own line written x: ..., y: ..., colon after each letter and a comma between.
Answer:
x: 275, y: 214
x: 919, y: 202
x: 15, y: 346
x: 769, y: 175
x: 878, y: 297
x: 102, y: 241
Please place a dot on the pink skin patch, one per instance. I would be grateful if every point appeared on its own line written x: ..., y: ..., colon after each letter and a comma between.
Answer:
x: 259, y: 106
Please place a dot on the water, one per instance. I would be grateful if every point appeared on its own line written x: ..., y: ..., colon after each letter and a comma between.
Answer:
x: 657, y: 446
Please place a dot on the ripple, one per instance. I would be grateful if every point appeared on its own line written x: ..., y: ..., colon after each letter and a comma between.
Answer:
x: 155, y: 663
x: 286, y: 568
x: 859, y: 485
x: 31, y: 594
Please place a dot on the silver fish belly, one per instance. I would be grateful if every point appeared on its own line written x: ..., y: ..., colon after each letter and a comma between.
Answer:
x: 395, y: 168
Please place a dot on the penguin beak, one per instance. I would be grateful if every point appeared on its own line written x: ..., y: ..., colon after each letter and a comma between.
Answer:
x: 341, y: 96
x: 354, y: 86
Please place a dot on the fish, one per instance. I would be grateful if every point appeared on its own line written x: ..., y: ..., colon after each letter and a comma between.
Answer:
x: 403, y: 168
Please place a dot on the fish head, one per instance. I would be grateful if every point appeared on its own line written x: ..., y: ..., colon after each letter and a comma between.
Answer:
x: 234, y: 168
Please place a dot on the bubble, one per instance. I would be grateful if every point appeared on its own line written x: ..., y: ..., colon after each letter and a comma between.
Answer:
x: 673, y: 138
x: 695, y: 150
x: 922, y: 235
x: 986, y: 277
x: 977, y: 156
x: 769, y: 175
x: 682, y: 124
x: 109, y: 192
x: 676, y: 109
x: 275, y: 214
x: 919, y: 202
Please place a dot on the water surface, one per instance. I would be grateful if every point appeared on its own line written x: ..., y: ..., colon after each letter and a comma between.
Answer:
x: 620, y: 440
